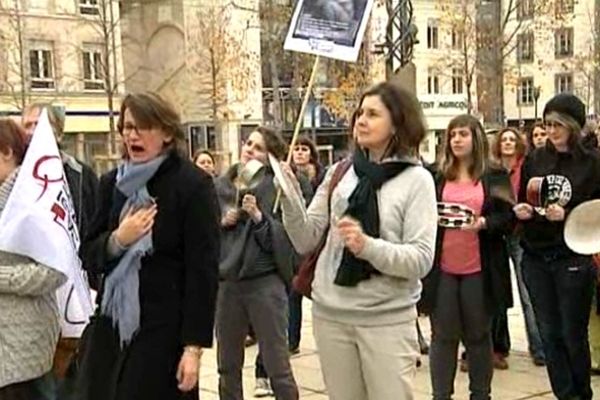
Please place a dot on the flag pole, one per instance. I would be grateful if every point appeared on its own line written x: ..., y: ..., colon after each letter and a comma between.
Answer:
x: 311, y: 83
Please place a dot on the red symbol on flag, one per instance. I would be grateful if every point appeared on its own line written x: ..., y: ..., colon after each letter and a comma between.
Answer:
x: 59, y: 212
x: 46, y: 181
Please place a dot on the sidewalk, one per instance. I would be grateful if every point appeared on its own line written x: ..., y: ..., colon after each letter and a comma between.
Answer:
x: 521, y: 381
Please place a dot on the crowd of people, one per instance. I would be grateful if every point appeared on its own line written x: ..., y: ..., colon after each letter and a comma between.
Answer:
x: 179, y: 252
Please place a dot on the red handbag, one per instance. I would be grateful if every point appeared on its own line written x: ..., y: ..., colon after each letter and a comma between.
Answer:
x: 302, y: 281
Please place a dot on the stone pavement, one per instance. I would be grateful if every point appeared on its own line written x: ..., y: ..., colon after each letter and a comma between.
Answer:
x: 521, y: 381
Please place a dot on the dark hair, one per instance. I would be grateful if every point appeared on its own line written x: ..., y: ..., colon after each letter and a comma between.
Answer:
x: 151, y: 111
x: 497, y: 146
x: 12, y: 138
x: 273, y: 142
x: 537, y: 124
x: 480, y: 154
x: 314, y: 153
x: 407, y: 117
x: 200, y: 152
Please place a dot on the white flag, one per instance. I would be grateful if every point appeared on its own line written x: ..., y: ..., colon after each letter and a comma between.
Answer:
x: 38, y: 221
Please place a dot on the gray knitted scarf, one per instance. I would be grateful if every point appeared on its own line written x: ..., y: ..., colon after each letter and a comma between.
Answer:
x: 121, y: 300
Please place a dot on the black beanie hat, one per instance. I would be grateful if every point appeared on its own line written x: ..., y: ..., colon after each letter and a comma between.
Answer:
x: 566, y: 103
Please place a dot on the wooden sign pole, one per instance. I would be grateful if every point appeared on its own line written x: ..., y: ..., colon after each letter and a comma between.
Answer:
x: 311, y: 83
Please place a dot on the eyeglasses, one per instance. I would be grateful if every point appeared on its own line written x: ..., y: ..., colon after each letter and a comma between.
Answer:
x: 129, y: 129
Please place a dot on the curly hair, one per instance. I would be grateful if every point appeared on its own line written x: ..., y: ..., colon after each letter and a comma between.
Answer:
x: 497, y: 146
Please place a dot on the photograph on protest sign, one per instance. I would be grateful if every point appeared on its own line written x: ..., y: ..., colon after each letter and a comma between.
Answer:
x: 330, y: 28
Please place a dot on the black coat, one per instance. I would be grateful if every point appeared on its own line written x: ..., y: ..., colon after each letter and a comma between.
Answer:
x: 178, y: 281
x: 492, y: 246
x: 83, y: 185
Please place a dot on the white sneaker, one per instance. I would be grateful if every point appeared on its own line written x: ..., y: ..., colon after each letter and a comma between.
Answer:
x: 262, y: 388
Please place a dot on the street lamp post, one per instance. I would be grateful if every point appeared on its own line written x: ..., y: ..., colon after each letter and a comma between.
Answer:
x: 536, y: 96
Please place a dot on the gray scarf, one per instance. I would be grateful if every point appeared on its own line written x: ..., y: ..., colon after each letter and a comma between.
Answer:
x: 121, y: 300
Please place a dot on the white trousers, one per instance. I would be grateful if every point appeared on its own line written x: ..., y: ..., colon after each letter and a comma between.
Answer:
x: 367, y: 362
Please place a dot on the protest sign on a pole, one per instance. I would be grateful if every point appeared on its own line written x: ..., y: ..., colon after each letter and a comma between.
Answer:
x: 329, y: 28
x: 38, y: 221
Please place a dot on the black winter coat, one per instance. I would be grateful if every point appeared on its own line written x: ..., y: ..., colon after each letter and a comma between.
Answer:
x: 493, y: 250
x: 83, y: 185
x: 178, y: 281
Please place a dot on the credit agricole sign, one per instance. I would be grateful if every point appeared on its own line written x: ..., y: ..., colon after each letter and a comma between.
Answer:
x: 443, y: 104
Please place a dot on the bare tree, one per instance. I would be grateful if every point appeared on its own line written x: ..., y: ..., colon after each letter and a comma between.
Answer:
x: 274, y: 18
x: 14, y: 46
x: 220, y: 63
x: 350, y: 81
x: 104, y: 20
x: 484, y: 36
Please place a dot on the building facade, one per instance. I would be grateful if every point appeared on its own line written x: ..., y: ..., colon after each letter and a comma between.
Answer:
x: 60, y: 51
x: 557, y: 52
x: 203, y: 56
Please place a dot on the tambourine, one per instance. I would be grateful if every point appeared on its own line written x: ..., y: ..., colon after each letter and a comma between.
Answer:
x: 537, y: 192
x: 454, y: 215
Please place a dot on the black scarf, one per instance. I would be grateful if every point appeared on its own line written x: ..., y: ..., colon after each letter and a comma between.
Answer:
x: 363, y: 207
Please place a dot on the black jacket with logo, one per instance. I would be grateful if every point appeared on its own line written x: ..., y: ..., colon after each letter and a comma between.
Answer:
x: 574, y: 177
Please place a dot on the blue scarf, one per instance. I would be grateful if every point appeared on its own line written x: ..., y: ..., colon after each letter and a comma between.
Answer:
x: 121, y: 300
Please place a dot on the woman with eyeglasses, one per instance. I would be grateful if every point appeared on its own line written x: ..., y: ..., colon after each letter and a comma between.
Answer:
x: 560, y: 282
x: 470, y: 279
x: 155, y: 239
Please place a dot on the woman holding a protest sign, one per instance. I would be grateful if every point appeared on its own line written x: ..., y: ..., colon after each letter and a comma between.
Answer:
x: 29, y: 319
x: 379, y: 245
x: 156, y: 240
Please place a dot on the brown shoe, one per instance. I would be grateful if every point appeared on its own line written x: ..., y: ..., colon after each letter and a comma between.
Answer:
x: 500, y: 361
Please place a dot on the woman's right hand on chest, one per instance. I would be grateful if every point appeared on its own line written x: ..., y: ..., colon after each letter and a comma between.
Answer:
x: 135, y: 225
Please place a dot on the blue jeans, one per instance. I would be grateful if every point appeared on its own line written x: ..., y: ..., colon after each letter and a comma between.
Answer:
x: 534, y: 339
x: 561, y: 294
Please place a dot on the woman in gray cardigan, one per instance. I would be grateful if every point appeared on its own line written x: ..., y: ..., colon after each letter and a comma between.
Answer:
x: 29, y: 320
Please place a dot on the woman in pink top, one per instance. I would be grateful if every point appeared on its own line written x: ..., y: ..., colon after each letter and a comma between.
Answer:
x: 470, y: 279
x: 510, y: 150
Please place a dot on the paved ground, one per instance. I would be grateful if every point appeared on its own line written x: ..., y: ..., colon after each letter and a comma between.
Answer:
x: 521, y: 381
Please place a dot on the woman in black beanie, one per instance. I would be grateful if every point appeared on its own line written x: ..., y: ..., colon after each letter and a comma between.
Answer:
x: 560, y: 282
